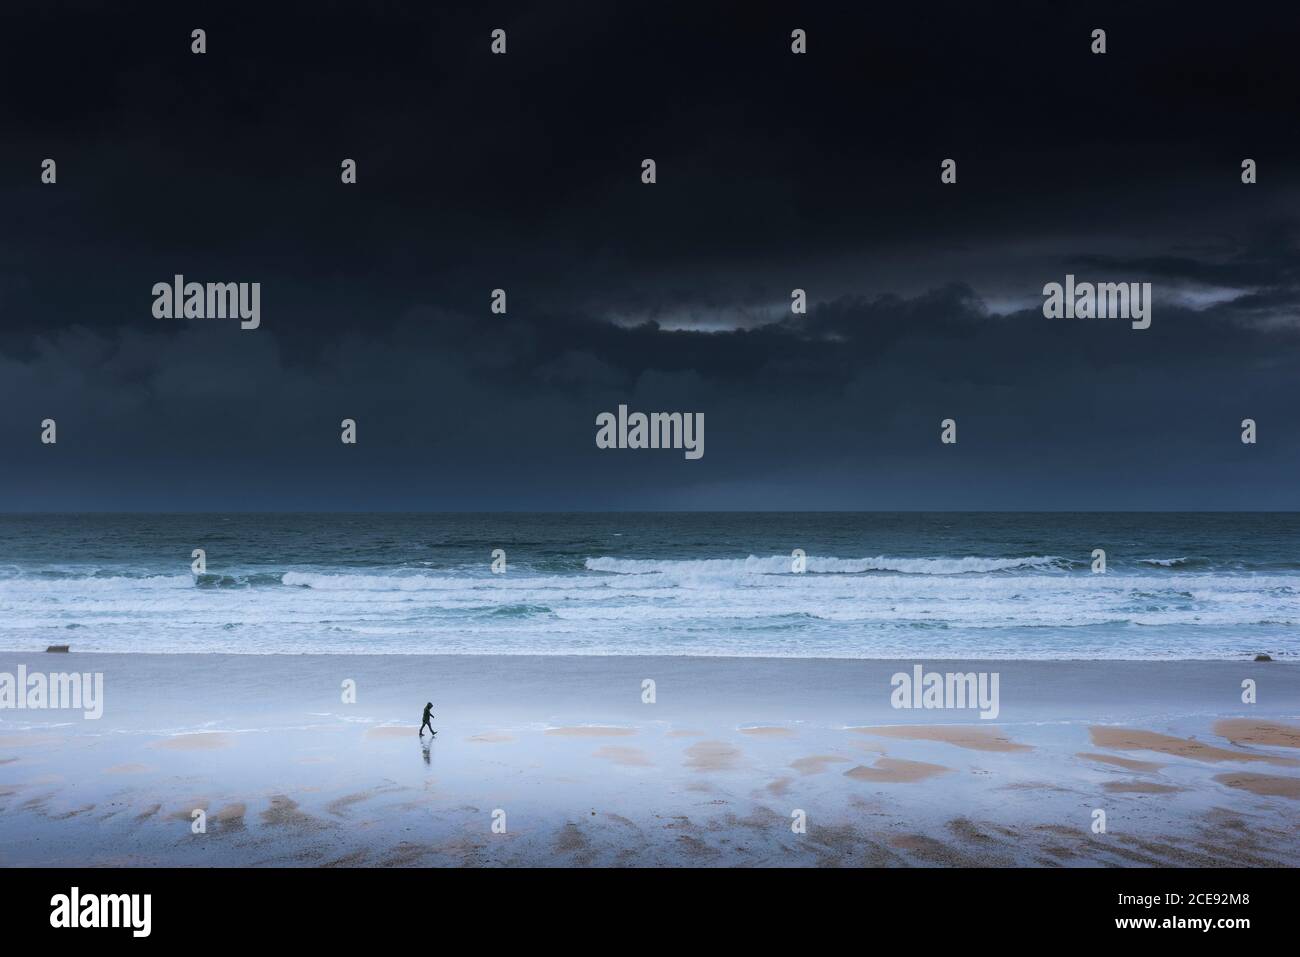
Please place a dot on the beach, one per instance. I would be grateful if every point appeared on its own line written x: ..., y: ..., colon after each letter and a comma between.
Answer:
x: 625, y: 760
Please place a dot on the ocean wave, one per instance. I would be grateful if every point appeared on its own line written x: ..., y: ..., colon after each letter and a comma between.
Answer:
x: 63, y: 584
x: 392, y: 581
x: 873, y: 607
x: 818, y: 565
x: 517, y: 611
x: 237, y: 581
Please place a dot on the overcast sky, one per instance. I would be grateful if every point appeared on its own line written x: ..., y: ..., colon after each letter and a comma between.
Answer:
x: 522, y: 171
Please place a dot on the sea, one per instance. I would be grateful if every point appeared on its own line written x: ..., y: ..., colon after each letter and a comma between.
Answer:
x: 909, y: 585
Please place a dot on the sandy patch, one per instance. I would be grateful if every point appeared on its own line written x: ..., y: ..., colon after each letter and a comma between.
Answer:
x: 284, y: 812
x: 491, y: 737
x: 570, y: 840
x: 632, y: 757
x: 1127, y: 763
x: 815, y: 763
x: 591, y: 731
x: 26, y: 740
x: 975, y: 738
x: 695, y: 848
x: 186, y: 811
x: 66, y: 815
x: 209, y: 741
x: 712, y: 756
x: 684, y: 734
x: 128, y: 769
x: 232, y: 815
x: 896, y: 771
x: 1129, y: 739
x: 1251, y: 731
x: 914, y: 842
x: 387, y: 733
x: 779, y: 787
x: 1265, y: 785
x: 354, y: 859
x: 339, y: 805
x: 929, y: 850
x: 1138, y: 787
x: 768, y: 732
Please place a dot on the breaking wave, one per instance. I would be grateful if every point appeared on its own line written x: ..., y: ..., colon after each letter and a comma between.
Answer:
x: 816, y: 565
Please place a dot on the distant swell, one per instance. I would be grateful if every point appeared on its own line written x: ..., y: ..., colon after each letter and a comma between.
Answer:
x: 782, y: 565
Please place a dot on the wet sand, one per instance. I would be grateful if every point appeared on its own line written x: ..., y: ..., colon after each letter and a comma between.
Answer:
x: 560, y: 762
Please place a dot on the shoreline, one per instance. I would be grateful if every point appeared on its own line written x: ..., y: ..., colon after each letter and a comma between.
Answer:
x: 1284, y: 659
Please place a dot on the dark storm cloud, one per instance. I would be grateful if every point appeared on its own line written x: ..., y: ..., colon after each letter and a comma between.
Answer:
x: 839, y: 410
x: 1269, y: 256
x: 775, y: 172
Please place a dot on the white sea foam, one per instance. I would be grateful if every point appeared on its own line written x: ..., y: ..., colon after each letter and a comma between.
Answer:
x: 1015, y: 606
x: 781, y: 565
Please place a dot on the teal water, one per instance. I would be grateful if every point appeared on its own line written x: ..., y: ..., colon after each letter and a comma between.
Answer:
x: 1201, y: 585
